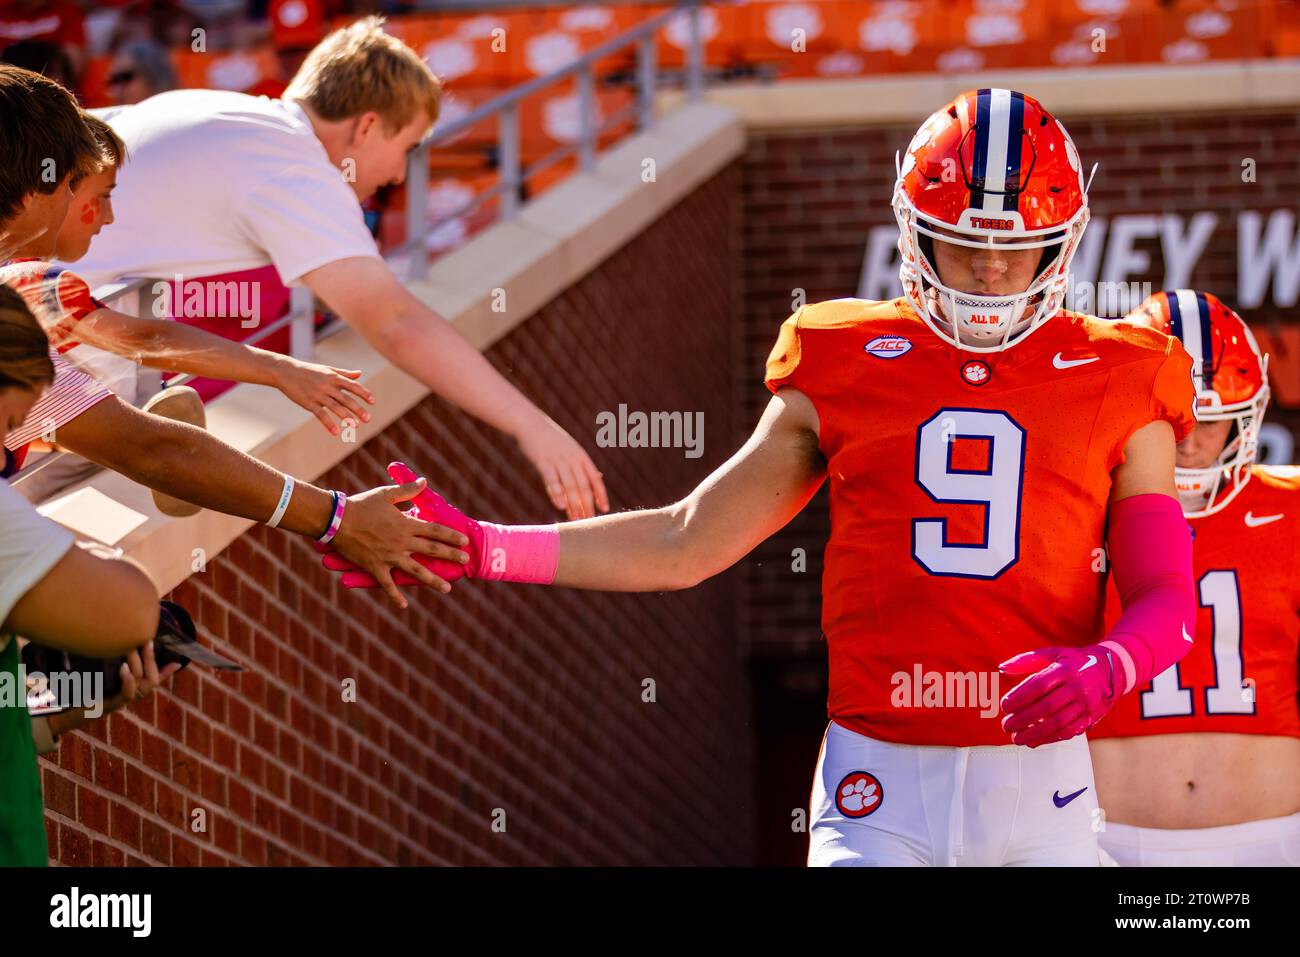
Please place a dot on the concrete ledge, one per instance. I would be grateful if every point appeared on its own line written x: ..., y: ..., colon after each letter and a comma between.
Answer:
x: 1129, y: 89
x: 555, y: 241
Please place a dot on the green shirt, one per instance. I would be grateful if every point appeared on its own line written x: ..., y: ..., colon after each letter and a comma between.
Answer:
x: 22, y: 817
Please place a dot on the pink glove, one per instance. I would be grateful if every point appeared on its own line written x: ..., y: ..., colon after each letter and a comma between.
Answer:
x: 354, y: 577
x: 1068, y: 691
x: 517, y: 553
x: 429, y: 507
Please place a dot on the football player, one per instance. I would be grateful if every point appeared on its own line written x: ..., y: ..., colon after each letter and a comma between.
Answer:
x: 1202, y: 765
x: 976, y: 437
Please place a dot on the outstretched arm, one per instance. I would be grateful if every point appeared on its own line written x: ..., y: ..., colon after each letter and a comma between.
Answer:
x: 750, y: 496
x: 753, y: 494
x: 325, y: 392
x: 193, y: 465
x: 368, y: 296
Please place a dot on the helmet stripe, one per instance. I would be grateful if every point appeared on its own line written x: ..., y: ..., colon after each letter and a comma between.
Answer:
x: 995, y: 164
x: 979, y: 163
x: 1175, y: 317
x: 1207, y: 341
x: 1015, y: 127
x: 1183, y: 305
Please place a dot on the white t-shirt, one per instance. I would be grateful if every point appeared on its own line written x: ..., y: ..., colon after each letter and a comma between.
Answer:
x: 30, y: 545
x: 217, y: 182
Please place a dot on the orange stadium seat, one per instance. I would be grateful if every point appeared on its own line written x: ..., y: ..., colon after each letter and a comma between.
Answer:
x: 234, y: 70
x: 470, y: 50
x: 296, y: 23
x: 772, y: 30
x: 1095, y: 41
x: 720, y: 31
x: 460, y: 99
x: 545, y: 41
x: 888, y: 35
x: 994, y: 24
x: 1285, y: 29
x: 551, y: 119
x: 855, y: 42
x: 1193, y: 31
x: 1076, y: 12
x: 547, y: 120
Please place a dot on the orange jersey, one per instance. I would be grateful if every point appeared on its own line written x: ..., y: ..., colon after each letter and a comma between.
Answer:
x: 1241, y: 674
x: 968, y: 500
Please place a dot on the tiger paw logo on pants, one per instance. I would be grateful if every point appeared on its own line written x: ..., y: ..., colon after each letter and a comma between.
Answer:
x: 859, y: 793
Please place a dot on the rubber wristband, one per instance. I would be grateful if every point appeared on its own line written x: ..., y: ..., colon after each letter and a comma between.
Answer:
x: 285, y: 495
x: 340, y: 503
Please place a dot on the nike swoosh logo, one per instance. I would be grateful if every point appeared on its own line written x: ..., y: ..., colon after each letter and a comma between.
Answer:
x: 1063, y: 801
x: 1071, y: 363
x: 1253, y: 522
x: 1092, y: 660
x: 1186, y: 636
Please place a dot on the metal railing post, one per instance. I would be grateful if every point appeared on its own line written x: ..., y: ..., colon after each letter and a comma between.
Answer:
x: 302, y: 324
x: 695, y: 55
x: 149, y: 381
x: 646, y: 77
x: 417, y: 208
x: 586, y: 120
x: 508, y: 160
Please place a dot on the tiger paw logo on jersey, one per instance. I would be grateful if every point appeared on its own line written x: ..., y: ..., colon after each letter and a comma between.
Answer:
x: 976, y: 372
x: 888, y: 347
x: 859, y: 793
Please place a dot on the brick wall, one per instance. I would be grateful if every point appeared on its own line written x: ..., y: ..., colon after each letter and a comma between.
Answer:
x: 527, y: 700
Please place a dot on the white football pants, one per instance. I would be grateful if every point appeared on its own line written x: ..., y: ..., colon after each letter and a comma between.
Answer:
x: 879, y: 804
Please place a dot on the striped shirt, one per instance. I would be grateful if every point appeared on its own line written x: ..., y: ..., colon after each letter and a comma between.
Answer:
x: 71, y: 393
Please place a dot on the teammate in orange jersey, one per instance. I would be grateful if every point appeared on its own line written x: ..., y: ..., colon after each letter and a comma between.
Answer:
x: 1202, y: 767
x: 976, y: 438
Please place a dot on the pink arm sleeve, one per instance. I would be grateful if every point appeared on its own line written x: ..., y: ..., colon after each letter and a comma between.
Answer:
x: 518, y: 553
x: 1151, y: 559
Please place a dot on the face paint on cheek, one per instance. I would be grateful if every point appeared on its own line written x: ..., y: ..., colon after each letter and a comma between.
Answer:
x: 90, y: 212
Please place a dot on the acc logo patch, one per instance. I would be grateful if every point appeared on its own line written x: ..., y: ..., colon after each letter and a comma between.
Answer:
x: 975, y: 372
x: 859, y: 794
x: 888, y: 347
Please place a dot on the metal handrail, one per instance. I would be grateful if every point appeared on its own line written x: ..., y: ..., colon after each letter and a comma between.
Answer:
x: 506, y: 106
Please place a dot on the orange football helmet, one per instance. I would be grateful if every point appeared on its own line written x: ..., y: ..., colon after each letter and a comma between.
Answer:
x: 1231, y: 379
x: 990, y: 168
